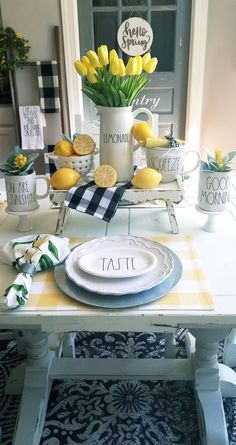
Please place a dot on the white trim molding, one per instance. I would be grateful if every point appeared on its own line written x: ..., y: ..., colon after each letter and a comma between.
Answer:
x: 196, y: 72
x: 70, y: 27
x: 198, y: 40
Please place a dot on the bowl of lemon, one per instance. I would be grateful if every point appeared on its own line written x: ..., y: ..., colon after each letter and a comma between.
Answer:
x: 77, y: 155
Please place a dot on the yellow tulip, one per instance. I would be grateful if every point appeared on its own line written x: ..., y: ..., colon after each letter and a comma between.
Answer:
x: 92, y: 75
x: 114, y: 67
x: 121, y: 68
x: 113, y: 55
x: 93, y: 58
x: 86, y: 62
x: 103, y: 55
x: 131, y: 67
x: 80, y: 68
x: 139, y: 64
x: 218, y: 156
x: 150, y: 66
x: 146, y: 58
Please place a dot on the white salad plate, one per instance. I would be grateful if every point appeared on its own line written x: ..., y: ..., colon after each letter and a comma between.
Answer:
x: 120, y: 262
x: 119, y: 286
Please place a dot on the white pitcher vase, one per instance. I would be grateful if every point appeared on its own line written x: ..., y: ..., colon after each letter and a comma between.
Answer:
x: 117, y: 144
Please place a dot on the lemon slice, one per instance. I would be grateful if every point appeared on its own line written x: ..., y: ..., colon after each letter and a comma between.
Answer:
x: 105, y: 176
x: 83, y: 144
x: 147, y: 178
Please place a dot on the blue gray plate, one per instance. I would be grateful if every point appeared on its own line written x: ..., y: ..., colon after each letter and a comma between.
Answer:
x: 118, y: 301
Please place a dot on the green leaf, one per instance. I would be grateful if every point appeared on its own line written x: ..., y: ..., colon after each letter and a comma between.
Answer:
x: 116, y: 96
x: 45, y: 262
x: 122, y: 99
x: 52, y: 248
x: 230, y: 155
x: 204, y: 165
x: 66, y: 138
x: 21, y: 301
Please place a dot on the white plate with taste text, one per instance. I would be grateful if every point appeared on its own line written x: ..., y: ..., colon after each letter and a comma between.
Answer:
x: 118, y: 262
x: 122, y: 285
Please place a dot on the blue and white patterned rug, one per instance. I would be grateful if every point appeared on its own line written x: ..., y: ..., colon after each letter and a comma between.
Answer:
x: 109, y: 412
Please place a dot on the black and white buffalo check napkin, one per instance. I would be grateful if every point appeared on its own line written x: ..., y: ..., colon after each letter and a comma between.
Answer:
x: 48, y: 86
x: 96, y: 201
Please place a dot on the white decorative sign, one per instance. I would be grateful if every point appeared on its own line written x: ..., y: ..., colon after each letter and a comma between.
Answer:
x: 135, y: 36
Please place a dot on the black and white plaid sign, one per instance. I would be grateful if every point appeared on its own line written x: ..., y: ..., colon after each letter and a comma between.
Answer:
x: 48, y: 86
x: 96, y: 201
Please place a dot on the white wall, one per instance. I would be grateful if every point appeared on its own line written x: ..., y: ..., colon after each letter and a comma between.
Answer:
x: 35, y: 20
x: 219, y: 102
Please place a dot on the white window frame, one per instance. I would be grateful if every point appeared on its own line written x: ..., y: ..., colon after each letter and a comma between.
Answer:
x: 70, y: 26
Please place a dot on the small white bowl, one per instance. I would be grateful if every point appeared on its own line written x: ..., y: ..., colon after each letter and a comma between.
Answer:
x: 81, y: 164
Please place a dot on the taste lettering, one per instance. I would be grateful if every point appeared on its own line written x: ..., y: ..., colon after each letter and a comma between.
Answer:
x: 119, y: 263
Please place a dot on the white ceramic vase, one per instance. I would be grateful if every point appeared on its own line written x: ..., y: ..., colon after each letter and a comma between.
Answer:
x: 214, y: 190
x: 117, y: 144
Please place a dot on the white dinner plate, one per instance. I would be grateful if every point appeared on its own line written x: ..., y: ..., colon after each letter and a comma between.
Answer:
x: 119, y: 286
x: 120, y: 262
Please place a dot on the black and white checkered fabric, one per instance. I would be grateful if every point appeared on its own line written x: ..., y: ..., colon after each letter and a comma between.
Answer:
x: 96, y: 201
x: 48, y: 86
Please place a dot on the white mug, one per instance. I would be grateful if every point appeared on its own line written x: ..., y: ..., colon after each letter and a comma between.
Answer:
x: 170, y: 161
x: 21, y: 192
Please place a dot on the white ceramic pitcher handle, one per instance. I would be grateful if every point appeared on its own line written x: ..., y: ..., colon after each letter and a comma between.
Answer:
x: 185, y: 172
x: 149, y: 121
x: 48, y: 186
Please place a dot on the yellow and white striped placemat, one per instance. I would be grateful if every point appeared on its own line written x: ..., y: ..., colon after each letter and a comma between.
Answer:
x: 191, y: 293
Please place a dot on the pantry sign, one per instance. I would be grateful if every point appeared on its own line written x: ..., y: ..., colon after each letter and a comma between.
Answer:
x: 135, y: 36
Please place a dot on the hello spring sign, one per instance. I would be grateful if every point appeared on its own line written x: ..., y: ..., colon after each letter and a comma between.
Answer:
x: 135, y: 36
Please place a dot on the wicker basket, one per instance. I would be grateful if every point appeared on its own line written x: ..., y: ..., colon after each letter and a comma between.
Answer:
x: 82, y: 164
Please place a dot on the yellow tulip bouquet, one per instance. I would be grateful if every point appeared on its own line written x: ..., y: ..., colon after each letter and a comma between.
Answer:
x: 108, y: 82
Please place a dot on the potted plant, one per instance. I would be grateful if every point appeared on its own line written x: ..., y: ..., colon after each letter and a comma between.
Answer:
x: 20, y: 181
x: 215, y: 181
x: 113, y: 86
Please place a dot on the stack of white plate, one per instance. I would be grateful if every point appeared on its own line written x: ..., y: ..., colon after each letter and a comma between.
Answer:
x: 119, y: 271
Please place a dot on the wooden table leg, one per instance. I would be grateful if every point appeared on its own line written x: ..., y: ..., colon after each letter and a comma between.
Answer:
x: 63, y: 212
x: 172, y: 216
x: 36, y: 389
x: 212, y: 382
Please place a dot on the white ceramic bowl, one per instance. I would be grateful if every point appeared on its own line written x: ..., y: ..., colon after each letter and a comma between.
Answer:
x: 82, y: 164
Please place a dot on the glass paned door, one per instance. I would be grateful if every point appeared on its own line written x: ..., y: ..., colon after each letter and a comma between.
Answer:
x: 166, y: 93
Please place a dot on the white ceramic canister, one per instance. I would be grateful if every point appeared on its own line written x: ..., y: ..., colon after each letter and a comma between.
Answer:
x: 214, y: 190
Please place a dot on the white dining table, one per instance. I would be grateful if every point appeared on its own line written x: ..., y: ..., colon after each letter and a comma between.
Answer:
x: 35, y: 328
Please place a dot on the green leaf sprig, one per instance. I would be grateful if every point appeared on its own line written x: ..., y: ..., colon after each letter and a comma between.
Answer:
x: 218, y: 161
x: 17, y: 163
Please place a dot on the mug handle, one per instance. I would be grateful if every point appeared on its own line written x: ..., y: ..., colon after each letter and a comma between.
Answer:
x: 195, y: 165
x: 48, y: 186
x: 149, y: 121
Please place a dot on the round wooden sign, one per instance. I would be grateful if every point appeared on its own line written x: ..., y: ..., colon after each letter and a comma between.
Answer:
x: 135, y: 36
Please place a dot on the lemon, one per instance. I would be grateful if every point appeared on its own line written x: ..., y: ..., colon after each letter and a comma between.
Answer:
x: 141, y: 131
x: 64, y: 178
x: 147, y: 178
x: 64, y: 148
x: 83, y: 144
x: 105, y: 176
